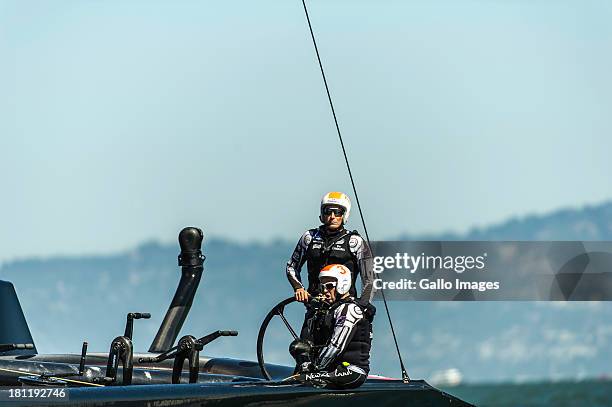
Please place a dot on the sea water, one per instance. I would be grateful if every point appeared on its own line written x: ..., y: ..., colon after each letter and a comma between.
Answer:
x: 591, y: 393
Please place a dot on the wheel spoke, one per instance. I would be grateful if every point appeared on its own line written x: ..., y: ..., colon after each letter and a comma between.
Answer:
x: 277, y: 310
x: 282, y: 316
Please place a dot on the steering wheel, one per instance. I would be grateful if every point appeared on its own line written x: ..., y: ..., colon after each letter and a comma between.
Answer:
x: 279, y: 310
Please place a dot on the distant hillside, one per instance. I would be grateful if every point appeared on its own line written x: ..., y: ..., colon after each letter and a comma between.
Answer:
x: 588, y: 223
x: 71, y: 299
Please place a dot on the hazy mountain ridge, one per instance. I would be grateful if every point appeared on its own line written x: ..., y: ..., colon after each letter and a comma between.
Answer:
x: 592, y: 222
x: 71, y: 299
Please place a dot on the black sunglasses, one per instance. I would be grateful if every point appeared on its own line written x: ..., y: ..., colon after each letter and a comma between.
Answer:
x: 329, y: 285
x: 335, y: 211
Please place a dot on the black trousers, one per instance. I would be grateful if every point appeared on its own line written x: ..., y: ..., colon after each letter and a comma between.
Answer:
x: 304, y: 332
x: 341, y: 378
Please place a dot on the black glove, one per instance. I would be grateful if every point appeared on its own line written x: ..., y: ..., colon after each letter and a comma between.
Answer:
x: 369, y: 310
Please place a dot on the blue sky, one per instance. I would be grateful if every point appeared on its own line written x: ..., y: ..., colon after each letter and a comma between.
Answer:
x: 122, y: 121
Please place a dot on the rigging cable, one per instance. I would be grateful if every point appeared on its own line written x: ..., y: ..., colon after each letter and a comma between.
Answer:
x: 405, y: 376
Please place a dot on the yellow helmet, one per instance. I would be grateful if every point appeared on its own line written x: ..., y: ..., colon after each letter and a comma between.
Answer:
x: 337, y: 199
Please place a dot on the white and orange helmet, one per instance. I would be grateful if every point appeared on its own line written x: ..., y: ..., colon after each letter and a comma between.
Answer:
x: 342, y: 275
x: 337, y: 199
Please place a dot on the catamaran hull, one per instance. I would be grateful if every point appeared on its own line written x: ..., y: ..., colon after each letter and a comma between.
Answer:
x: 378, y: 393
